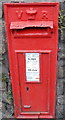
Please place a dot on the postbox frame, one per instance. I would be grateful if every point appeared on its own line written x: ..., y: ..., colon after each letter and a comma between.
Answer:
x: 16, y: 86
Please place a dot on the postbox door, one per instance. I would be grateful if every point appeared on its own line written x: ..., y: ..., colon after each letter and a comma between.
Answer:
x: 34, y: 72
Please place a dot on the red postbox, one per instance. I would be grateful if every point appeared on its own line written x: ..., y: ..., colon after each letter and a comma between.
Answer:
x: 32, y: 33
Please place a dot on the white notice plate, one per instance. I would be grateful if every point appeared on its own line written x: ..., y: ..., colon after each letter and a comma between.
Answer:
x: 32, y: 67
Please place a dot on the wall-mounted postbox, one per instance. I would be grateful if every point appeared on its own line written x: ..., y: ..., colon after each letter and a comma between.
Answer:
x: 32, y: 33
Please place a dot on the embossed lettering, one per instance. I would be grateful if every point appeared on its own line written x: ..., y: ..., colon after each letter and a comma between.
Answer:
x: 44, y: 16
x: 19, y: 14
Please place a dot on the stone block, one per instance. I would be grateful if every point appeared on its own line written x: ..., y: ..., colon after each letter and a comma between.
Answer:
x: 60, y: 100
x: 59, y: 111
x: 0, y: 10
x: 60, y: 72
x: 59, y: 87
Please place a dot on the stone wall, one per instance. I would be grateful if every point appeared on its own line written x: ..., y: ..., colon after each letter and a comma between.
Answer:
x: 6, y: 83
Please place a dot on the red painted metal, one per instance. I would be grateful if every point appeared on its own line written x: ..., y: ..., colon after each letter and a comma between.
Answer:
x: 33, y: 28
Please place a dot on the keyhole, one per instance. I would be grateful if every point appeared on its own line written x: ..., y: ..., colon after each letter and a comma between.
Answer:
x: 51, y: 32
x: 27, y: 88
